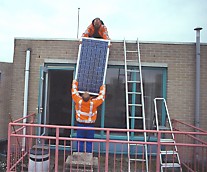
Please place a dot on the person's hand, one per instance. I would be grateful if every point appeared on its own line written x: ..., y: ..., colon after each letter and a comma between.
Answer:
x: 75, y: 81
x: 110, y: 44
x: 103, y: 87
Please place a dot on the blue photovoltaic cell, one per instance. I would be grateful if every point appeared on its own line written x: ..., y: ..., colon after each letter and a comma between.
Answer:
x: 92, y: 64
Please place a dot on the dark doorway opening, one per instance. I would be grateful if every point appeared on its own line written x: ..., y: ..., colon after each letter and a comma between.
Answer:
x: 59, y: 100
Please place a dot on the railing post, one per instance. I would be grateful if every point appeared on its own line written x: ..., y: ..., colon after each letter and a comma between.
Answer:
x: 56, y: 149
x: 30, y: 132
x: 107, y: 150
x: 9, y: 148
x: 158, y: 152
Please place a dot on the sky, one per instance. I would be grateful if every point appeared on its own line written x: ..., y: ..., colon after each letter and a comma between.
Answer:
x: 147, y: 20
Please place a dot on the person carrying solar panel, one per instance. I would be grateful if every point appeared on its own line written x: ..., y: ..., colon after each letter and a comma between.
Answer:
x: 96, y: 29
x: 86, y: 113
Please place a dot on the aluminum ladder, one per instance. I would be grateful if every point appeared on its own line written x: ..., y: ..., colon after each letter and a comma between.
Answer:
x: 169, y: 157
x: 135, y: 112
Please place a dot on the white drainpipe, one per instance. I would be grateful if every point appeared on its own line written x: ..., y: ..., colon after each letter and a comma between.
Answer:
x: 197, y: 91
x: 26, y: 88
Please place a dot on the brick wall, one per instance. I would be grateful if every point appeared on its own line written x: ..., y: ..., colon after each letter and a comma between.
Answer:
x: 180, y: 59
x: 203, y: 118
x: 5, y: 90
x: 40, y: 50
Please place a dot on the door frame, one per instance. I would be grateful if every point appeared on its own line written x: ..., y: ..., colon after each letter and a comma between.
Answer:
x: 42, y: 108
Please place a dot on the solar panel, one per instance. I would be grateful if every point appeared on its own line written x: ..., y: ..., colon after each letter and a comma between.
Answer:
x: 91, y: 64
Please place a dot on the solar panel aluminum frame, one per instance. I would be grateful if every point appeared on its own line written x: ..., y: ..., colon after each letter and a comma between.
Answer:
x: 79, y: 58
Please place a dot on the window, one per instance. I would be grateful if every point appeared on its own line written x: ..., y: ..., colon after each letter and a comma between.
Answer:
x: 115, y: 107
x: 154, y: 83
x: 115, y: 98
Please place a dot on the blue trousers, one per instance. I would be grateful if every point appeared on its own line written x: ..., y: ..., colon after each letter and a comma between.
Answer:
x: 87, y: 134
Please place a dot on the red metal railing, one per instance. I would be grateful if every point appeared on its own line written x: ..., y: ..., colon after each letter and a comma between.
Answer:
x: 109, y: 153
x: 197, y: 154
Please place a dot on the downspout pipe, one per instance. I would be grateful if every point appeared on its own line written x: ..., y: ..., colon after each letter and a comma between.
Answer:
x: 197, y: 89
x: 26, y: 91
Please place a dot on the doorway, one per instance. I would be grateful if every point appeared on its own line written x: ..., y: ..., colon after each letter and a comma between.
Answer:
x: 59, y: 102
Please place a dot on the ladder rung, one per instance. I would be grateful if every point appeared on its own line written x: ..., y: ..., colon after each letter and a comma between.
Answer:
x: 135, y: 117
x: 132, y: 61
x: 134, y: 93
x: 132, y: 159
x: 135, y: 105
x: 169, y: 152
x: 130, y: 70
x: 171, y: 165
x: 133, y: 81
x: 130, y: 51
x: 167, y: 140
x: 133, y: 144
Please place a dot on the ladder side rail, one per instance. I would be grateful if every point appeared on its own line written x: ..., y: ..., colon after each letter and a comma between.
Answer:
x: 168, y: 118
x: 170, y: 123
x: 143, y: 106
x: 127, y: 108
x: 142, y: 90
x: 157, y: 126
x: 156, y: 114
x: 173, y: 136
x: 141, y: 86
x: 126, y: 87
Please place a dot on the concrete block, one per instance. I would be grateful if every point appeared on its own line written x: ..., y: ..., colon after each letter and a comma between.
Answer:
x: 81, y: 161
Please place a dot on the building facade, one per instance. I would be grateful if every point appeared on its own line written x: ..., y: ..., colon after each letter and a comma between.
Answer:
x: 5, y: 97
x: 169, y: 71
